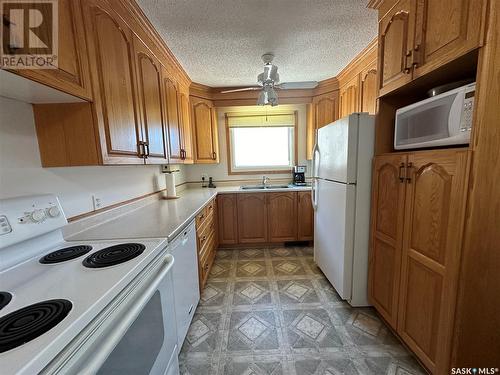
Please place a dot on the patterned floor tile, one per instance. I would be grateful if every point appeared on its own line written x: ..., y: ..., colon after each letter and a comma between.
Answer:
x: 203, y: 334
x: 254, y: 330
x: 282, y: 252
x: 392, y: 366
x: 250, y: 253
x: 288, y: 267
x: 297, y: 291
x: 221, y: 270
x: 249, y: 365
x: 252, y: 293
x: 313, y: 266
x: 251, y: 268
x: 328, y: 291
x: 214, y: 293
x: 336, y: 366
x: 305, y: 251
x: 225, y: 254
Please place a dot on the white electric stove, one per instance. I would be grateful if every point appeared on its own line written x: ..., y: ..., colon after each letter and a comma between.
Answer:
x: 57, y: 295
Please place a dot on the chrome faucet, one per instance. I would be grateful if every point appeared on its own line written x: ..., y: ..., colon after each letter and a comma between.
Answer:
x: 265, y: 180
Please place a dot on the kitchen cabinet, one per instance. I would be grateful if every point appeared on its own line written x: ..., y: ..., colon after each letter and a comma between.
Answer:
x: 173, y: 116
x: 281, y: 216
x: 418, y: 212
x: 227, y: 214
x: 305, y: 216
x: 418, y: 36
x: 206, y: 143
x: 187, y: 131
x: 72, y: 74
x: 368, y: 89
x: 252, y: 218
x: 326, y: 109
x: 206, y: 234
x: 112, y: 64
x: 349, y: 97
x: 150, y: 103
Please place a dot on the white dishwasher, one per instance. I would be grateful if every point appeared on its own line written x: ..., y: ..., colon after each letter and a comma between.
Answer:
x: 185, y: 277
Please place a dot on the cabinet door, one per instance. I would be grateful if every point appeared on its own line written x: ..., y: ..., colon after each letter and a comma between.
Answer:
x: 112, y: 68
x: 349, y: 97
x: 187, y: 130
x: 434, y: 218
x: 445, y: 30
x: 326, y: 109
x: 282, y: 216
x: 310, y: 131
x: 369, y: 90
x: 227, y: 216
x: 72, y: 74
x: 205, y: 131
x: 388, y: 196
x: 305, y: 216
x: 149, y: 87
x: 252, y: 218
x: 395, y: 46
x: 172, y: 108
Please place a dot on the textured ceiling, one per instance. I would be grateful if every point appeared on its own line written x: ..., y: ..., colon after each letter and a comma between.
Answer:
x: 219, y: 42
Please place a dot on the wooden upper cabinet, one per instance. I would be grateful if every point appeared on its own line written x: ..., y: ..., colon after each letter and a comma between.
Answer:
x: 445, y: 30
x: 395, y: 45
x: 113, y: 74
x: 434, y: 218
x: 72, y: 74
x: 388, y: 197
x: 149, y: 87
x: 349, y: 97
x: 326, y: 109
x: 172, y: 114
x: 227, y: 215
x: 305, y: 216
x: 368, y: 89
x: 282, y: 216
x: 252, y: 218
x: 204, y: 119
x: 187, y: 130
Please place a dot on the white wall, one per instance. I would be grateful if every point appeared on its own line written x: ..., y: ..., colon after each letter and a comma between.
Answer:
x: 219, y: 171
x: 21, y: 172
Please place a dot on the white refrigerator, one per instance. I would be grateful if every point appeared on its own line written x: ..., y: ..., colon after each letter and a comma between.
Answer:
x: 342, y: 164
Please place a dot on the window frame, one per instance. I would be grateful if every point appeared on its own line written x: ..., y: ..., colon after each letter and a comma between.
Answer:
x: 269, y: 170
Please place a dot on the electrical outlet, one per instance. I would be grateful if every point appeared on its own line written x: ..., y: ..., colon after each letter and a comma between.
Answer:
x: 97, y: 202
x: 204, y: 175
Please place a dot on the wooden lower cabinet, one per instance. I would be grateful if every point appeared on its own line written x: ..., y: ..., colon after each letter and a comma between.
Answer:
x: 417, y: 223
x: 206, y: 238
x: 261, y: 218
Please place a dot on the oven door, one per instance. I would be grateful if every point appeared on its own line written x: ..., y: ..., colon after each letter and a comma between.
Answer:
x: 135, y: 334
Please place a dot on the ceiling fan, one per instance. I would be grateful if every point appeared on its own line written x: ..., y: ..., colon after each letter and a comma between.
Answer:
x: 269, y: 80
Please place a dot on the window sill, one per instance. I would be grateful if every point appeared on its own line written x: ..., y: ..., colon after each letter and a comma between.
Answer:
x: 271, y: 171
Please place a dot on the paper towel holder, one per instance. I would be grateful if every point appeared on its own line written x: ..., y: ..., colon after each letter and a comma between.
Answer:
x: 170, y: 191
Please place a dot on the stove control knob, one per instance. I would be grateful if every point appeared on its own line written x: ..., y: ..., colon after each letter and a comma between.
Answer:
x: 38, y: 216
x: 53, y: 211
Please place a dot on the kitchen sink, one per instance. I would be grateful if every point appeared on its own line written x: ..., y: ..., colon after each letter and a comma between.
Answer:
x: 262, y: 187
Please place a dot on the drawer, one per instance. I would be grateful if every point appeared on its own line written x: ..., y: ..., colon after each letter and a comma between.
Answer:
x: 207, y: 246
x: 205, y: 213
x: 205, y: 231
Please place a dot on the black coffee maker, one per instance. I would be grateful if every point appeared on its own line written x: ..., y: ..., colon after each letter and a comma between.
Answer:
x: 299, y: 175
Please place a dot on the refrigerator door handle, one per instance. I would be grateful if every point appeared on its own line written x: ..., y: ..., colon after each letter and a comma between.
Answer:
x: 315, y: 152
x: 313, y: 194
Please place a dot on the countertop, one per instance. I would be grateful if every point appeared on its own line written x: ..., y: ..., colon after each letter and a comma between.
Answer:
x: 163, y: 218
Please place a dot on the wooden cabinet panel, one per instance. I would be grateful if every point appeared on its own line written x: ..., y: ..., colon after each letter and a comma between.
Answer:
x: 172, y: 107
x: 112, y: 69
x: 326, y: 109
x: 445, y: 30
x: 368, y: 88
x: 282, y: 216
x: 187, y: 131
x: 434, y: 215
x: 349, y: 97
x: 305, y: 216
x: 395, y: 46
x: 252, y: 218
x: 204, y: 118
x: 72, y: 74
x: 227, y: 216
x: 388, y: 197
x: 149, y: 87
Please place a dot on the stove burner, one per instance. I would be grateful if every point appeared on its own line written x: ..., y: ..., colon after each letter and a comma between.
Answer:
x: 26, y: 324
x: 113, y: 255
x: 5, y: 298
x: 63, y: 255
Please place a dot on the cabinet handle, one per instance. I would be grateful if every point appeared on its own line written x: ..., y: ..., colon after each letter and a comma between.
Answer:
x: 417, y: 54
x: 141, y: 149
x: 146, y: 149
x: 408, y: 172
x: 183, y: 154
x: 401, y: 177
x: 214, y: 155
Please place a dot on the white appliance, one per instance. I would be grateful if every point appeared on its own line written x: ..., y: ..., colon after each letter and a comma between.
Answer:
x: 442, y: 120
x: 81, y: 307
x: 185, y: 275
x: 341, y: 191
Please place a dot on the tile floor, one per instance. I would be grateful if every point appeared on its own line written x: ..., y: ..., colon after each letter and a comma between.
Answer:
x: 271, y: 311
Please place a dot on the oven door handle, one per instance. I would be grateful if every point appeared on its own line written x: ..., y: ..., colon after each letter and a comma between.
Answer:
x: 112, y: 339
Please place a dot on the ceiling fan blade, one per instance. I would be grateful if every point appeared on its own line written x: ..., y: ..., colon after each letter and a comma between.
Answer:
x: 243, y: 89
x: 297, y: 85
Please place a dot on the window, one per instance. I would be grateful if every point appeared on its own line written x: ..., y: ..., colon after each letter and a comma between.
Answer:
x: 261, y: 143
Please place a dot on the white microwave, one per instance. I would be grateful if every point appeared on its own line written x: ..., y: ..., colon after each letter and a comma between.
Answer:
x: 442, y: 120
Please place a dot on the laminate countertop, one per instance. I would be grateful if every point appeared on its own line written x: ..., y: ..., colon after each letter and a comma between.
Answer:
x: 163, y: 218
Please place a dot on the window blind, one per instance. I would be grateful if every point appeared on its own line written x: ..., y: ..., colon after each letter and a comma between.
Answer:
x: 235, y: 120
